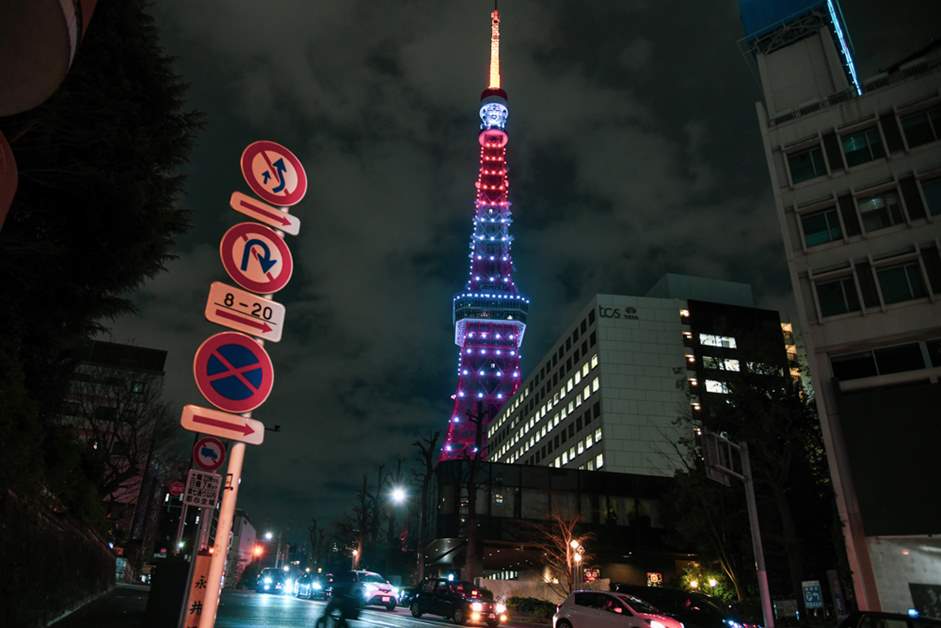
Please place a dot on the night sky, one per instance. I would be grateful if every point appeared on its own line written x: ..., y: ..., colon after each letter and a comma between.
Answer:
x: 634, y: 151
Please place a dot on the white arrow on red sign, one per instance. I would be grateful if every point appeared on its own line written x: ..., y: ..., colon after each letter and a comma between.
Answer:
x: 222, y: 424
x: 262, y: 212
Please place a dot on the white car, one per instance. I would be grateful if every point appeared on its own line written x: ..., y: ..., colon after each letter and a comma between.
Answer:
x: 599, y: 609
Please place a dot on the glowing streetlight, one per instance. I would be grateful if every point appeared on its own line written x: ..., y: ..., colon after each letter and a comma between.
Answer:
x: 398, y: 495
x: 574, y: 544
x: 713, y: 583
x: 577, y: 558
x: 258, y: 550
x: 269, y: 535
x: 355, y: 552
x: 694, y: 584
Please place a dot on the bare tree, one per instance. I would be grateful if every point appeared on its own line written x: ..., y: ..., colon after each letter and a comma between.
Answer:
x: 126, y: 427
x: 427, y: 456
x: 563, y: 551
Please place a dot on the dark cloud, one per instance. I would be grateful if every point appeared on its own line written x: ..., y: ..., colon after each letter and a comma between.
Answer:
x: 634, y: 151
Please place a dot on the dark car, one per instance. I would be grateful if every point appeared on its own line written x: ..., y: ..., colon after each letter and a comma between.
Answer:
x: 270, y: 580
x: 695, y: 610
x: 313, y: 586
x: 461, y: 602
x: 867, y: 619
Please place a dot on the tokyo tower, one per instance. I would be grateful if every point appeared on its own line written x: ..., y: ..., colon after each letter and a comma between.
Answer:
x: 490, y: 314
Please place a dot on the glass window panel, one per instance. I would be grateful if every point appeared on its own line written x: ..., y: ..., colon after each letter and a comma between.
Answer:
x: 837, y: 297
x: 806, y: 165
x: 821, y: 227
x: 880, y: 211
x: 901, y: 283
x: 917, y: 129
x: 900, y: 358
x: 932, y: 189
x: 862, y: 146
x: 934, y: 352
x: 854, y: 366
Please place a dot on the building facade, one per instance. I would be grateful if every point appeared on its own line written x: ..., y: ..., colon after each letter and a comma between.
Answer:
x: 241, y: 550
x: 631, y: 538
x: 489, y: 316
x: 607, y: 396
x: 855, y: 167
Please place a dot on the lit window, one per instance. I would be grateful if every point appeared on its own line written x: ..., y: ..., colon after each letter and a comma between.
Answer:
x: 722, y: 364
x: 578, y: 400
x: 555, y: 419
x: 684, y: 313
x: 581, y: 447
x: 712, y: 340
x: 589, y: 441
x: 862, y: 146
x: 565, y: 457
x: 571, y: 406
x: 806, y: 164
x: 595, y: 384
x: 572, y: 452
x: 584, y: 369
x: 837, y: 297
x: 715, y: 386
x: 901, y: 283
x: 880, y: 211
x: 594, y: 360
x: 578, y: 377
x: 586, y: 392
x: 590, y: 465
x: 599, y: 461
x: 568, y: 385
x: 598, y: 435
x: 821, y: 227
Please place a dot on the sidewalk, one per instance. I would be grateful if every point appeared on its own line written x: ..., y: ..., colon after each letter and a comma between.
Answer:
x: 123, y: 607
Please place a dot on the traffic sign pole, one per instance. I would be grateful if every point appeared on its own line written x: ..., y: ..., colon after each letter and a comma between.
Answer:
x: 230, y: 491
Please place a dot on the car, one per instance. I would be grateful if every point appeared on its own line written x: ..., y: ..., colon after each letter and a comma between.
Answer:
x: 375, y: 590
x: 270, y: 580
x: 871, y: 619
x: 603, y: 609
x: 312, y: 586
x: 695, y: 610
x: 461, y: 602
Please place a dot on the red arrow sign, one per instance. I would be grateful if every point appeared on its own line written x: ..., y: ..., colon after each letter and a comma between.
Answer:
x: 259, y: 325
x: 245, y: 428
x: 222, y: 424
x: 262, y: 212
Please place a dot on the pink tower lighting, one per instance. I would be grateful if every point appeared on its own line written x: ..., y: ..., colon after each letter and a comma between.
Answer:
x: 490, y: 314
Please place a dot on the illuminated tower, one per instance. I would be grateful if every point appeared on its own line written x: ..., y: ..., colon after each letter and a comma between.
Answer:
x: 490, y: 314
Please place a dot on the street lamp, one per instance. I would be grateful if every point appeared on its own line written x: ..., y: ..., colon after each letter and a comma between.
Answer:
x: 398, y: 495
x: 269, y: 535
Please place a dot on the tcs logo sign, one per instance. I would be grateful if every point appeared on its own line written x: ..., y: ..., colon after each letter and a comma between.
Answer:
x: 628, y: 312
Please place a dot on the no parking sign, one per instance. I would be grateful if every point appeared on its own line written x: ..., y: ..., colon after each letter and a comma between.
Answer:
x: 233, y: 372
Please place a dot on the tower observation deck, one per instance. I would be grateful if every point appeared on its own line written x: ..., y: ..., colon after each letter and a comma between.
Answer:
x: 490, y: 314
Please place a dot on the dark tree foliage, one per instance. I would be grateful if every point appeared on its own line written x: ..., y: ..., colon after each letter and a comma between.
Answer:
x: 795, y: 503
x: 96, y: 213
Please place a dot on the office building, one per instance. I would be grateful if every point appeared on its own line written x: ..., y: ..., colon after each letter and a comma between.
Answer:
x: 855, y: 166
x: 608, y: 394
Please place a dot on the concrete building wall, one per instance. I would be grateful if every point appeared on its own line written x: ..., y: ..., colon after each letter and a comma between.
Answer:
x: 643, y: 382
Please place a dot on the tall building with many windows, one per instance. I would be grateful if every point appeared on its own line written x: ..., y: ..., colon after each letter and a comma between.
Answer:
x: 856, y: 170
x: 609, y: 392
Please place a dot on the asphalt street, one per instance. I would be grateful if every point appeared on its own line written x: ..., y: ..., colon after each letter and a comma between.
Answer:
x: 124, y: 608
x: 247, y: 609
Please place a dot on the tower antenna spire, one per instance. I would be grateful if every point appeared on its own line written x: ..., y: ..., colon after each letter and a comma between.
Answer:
x: 495, y: 46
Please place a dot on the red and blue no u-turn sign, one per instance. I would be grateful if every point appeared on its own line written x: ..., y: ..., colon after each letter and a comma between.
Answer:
x: 233, y: 372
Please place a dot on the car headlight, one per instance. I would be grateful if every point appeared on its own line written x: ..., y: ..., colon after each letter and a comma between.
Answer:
x: 656, y: 624
x: 500, y: 608
x: 317, y: 586
x: 267, y: 579
x: 365, y: 594
x: 477, y: 606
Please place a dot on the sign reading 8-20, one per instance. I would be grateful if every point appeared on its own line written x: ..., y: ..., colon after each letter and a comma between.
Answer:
x: 245, y: 312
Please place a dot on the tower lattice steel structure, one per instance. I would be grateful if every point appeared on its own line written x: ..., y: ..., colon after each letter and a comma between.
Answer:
x: 490, y: 314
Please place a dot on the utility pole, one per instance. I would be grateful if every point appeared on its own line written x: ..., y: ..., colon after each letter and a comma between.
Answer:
x: 720, y: 456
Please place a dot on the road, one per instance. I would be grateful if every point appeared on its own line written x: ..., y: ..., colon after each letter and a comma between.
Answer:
x: 248, y: 610
x: 124, y: 607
